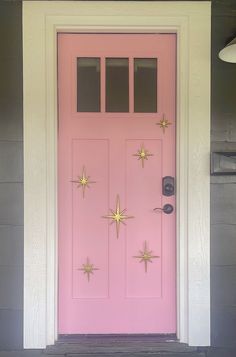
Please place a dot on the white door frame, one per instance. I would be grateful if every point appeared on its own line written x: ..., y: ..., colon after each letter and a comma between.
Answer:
x: 191, y: 21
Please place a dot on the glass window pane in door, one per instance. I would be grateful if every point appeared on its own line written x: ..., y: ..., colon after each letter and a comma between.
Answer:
x: 88, y: 84
x: 145, y: 85
x: 117, y: 85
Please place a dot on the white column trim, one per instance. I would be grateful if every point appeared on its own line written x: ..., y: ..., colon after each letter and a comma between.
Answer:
x: 191, y: 21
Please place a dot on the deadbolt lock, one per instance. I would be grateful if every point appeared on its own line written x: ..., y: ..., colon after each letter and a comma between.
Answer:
x: 168, y: 186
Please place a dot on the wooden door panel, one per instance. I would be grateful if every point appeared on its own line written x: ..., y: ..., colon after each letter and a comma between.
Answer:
x: 105, y: 284
x: 143, y: 193
x: 90, y: 234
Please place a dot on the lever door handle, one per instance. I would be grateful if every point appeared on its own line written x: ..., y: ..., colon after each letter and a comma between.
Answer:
x: 167, y: 209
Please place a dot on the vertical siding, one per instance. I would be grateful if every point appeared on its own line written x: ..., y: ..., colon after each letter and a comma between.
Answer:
x: 223, y: 189
x: 11, y: 177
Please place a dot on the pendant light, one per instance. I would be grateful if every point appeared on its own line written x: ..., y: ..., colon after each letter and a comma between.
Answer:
x: 228, y: 53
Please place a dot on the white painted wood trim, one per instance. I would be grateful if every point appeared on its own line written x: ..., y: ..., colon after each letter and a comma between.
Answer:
x: 42, y: 20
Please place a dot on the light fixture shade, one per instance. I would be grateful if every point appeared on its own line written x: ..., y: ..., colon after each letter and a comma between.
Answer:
x: 228, y: 53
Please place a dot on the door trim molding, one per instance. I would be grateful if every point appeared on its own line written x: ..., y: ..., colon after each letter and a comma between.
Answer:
x: 42, y: 20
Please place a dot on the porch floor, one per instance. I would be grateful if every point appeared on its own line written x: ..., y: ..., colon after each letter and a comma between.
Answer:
x: 120, y: 346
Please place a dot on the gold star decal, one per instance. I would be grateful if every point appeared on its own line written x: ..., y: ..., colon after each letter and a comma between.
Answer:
x: 117, y: 216
x: 83, y: 181
x: 146, y: 256
x: 142, y: 154
x: 164, y: 123
x: 88, y: 268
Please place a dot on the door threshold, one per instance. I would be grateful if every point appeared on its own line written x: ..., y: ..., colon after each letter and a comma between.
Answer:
x: 78, y: 338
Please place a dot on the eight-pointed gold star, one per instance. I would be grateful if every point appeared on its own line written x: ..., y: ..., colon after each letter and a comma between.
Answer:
x: 146, y: 256
x: 142, y: 154
x: 117, y: 216
x: 83, y: 181
x: 88, y: 268
x: 164, y: 123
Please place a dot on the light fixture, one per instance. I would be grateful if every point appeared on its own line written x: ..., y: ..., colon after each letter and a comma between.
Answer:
x: 228, y: 53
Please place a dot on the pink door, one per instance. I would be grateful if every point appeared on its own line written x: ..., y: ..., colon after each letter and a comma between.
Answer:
x: 117, y: 268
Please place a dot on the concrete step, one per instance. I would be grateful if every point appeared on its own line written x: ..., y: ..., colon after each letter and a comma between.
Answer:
x: 210, y: 352
x: 194, y: 354
x: 38, y: 353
